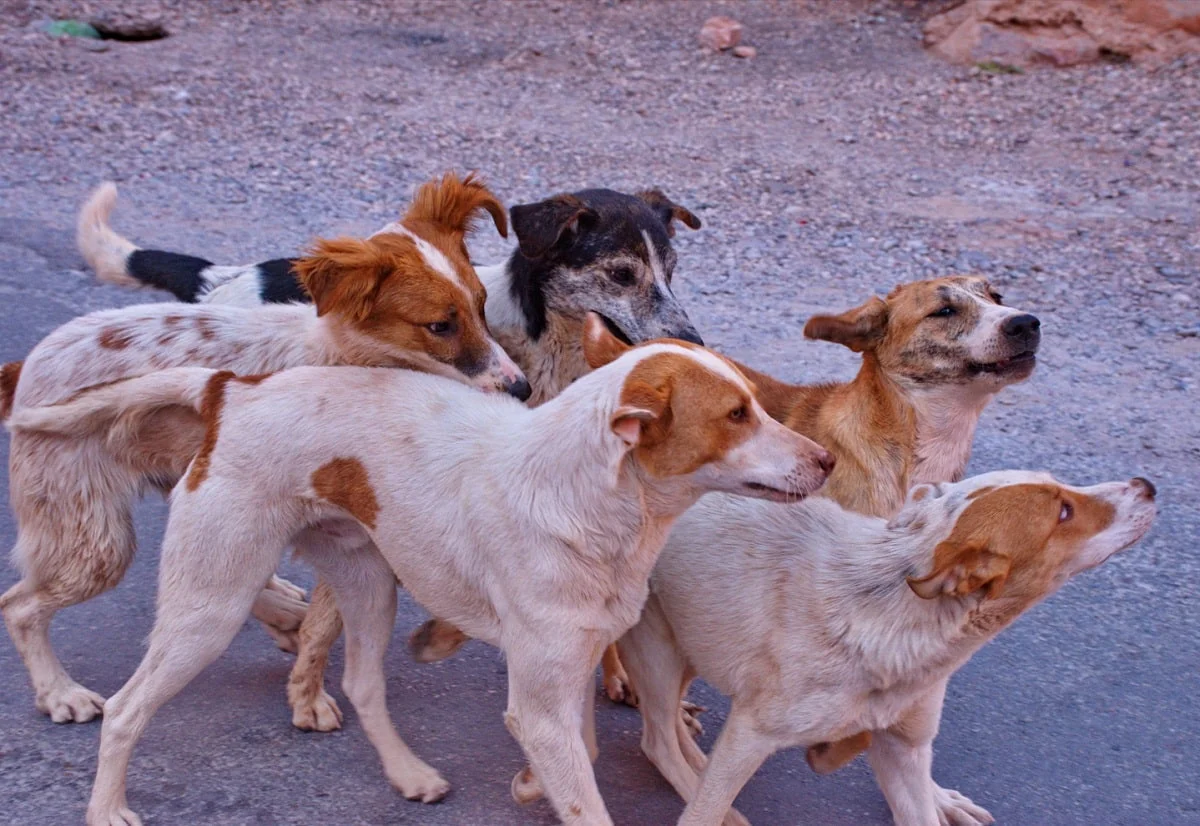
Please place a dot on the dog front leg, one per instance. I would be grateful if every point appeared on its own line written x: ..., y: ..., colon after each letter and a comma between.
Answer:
x: 546, y: 682
x: 902, y: 759
x: 364, y: 588
x: 740, y: 749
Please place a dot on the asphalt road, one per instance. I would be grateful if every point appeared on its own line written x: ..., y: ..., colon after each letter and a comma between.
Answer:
x: 1085, y: 712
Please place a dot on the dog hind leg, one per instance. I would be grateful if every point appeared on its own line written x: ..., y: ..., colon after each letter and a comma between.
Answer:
x: 313, y: 709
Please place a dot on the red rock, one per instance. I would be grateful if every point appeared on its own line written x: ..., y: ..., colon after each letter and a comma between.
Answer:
x: 719, y: 33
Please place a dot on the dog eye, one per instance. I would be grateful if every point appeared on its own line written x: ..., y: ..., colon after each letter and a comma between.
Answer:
x: 944, y: 312
x: 738, y: 414
x: 623, y: 276
x: 1065, y: 512
x: 440, y: 328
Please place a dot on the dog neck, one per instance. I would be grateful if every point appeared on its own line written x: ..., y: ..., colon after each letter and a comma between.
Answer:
x: 551, y: 360
x: 946, y: 418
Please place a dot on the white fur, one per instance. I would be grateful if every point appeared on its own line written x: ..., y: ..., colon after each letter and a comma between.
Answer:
x: 803, y: 615
x: 532, y: 529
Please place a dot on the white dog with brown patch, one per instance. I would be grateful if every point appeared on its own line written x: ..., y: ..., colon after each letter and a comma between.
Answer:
x: 822, y: 623
x: 532, y: 529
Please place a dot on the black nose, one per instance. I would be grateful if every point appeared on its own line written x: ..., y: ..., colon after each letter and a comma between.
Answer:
x: 689, y: 334
x: 826, y: 461
x: 1146, y: 485
x: 519, y: 388
x: 1024, y: 328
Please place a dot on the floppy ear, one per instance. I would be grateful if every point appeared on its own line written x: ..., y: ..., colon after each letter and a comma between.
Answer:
x: 600, y: 346
x: 668, y: 210
x: 642, y: 404
x: 454, y: 202
x: 542, y: 226
x: 960, y: 570
x: 343, y: 276
x: 859, y: 329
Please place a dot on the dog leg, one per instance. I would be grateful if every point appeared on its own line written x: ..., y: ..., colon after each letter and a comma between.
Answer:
x: 206, y: 590
x: 313, y: 709
x: 737, y: 755
x: 902, y: 759
x: 616, y: 680
x: 364, y: 587
x: 526, y: 788
x: 281, y: 608
x: 545, y: 684
x: 435, y: 640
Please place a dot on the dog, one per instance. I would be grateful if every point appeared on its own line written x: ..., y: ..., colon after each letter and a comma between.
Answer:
x: 534, y: 529
x: 820, y: 622
x: 403, y: 299
x: 595, y: 250
x: 934, y: 353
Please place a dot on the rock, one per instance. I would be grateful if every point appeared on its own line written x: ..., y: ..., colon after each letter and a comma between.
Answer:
x: 1065, y: 32
x: 123, y: 26
x: 745, y: 51
x: 720, y: 33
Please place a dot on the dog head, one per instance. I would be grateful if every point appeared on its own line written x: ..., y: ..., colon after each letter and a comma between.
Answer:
x: 1016, y: 536
x: 604, y: 252
x: 685, y: 412
x: 944, y: 331
x: 410, y: 296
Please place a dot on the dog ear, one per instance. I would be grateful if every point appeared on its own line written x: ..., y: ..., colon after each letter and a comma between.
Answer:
x: 545, y: 225
x: 859, y: 329
x: 453, y: 203
x: 600, y: 346
x: 343, y: 276
x: 962, y: 569
x: 669, y: 211
x: 642, y: 404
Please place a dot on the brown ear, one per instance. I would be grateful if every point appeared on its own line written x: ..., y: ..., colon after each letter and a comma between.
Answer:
x: 960, y: 570
x: 453, y: 203
x: 859, y: 329
x: 642, y: 404
x: 343, y: 276
x: 542, y: 226
x: 668, y: 210
x: 600, y: 346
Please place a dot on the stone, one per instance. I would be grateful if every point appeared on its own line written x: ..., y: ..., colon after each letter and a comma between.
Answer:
x: 1064, y: 32
x: 745, y: 51
x: 720, y: 33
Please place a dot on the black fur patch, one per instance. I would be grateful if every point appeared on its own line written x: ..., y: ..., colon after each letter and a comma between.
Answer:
x: 177, y: 274
x: 616, y: 228
x: 277, y: 283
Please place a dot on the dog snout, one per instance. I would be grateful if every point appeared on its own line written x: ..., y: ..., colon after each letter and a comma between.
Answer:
x: 518, y: 388
x: 1144, y: 487
x: 1024, y: 329
x: 688, y: 334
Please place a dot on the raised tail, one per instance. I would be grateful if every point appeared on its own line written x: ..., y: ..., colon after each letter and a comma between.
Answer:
x: 118, y: 260
x: 104, y: 406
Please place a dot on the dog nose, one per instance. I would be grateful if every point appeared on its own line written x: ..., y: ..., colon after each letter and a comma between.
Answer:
x: 689, y: 334
x: 519, y: 388
x: 1023, y: 328
x: 1146, y: 486
x: 826, y: 461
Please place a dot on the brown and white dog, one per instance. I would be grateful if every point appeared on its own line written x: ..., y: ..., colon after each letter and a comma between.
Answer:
x: 534, y: 529
x: 592, y: 251
x: 821, y: 623
x: 406, y: 299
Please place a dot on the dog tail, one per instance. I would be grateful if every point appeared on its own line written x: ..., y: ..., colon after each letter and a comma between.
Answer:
x: 118, y: 260
x: 9, y: 375
x: 99, y: 408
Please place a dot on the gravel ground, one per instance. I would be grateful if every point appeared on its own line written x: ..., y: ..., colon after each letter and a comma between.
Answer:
x: 840, y: 161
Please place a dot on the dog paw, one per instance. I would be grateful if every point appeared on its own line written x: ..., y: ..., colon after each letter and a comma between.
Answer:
x: 690, y: 712
x: 71, y: 703
x: 435, y: 640
x: 955, y: 809
x: 526, y: 788
x: 281, y: 586
x: 618, y: 689
x: 287, y: 641
x: 320, y: 713
x: 120, y: 816
x: 422, y: 783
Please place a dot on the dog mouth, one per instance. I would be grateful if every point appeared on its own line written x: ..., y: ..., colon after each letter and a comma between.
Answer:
x: 1020, y: 363
x: 614, y: 329
x: 772, y: 493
